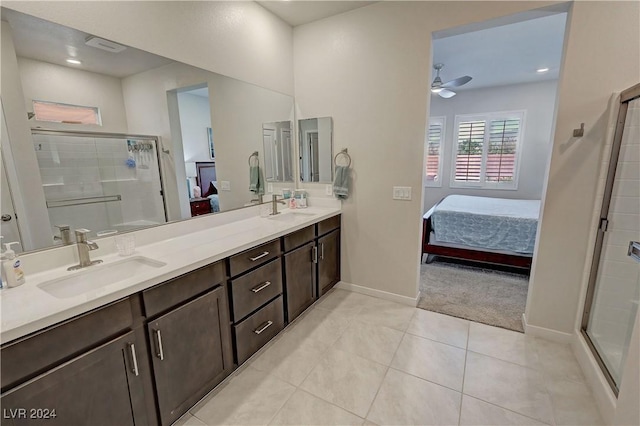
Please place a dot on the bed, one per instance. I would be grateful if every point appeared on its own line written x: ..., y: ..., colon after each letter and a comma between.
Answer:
x: 483, y: 229
x: 206, y: 179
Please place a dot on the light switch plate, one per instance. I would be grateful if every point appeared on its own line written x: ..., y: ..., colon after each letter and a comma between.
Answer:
x: 225, y: 185
x: 328, y: 190
x: 270, y: 188
x: 402, y: 193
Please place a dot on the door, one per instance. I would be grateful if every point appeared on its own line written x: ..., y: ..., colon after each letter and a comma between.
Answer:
x: 329, y: 261
x: 270, y: 154
x: 287, y: 151
x: 314, y: 165
x: 9, y: 218
x: 300, y: 271
x: 188, y: 348
x: 614, y: 286
x: 96, y: 388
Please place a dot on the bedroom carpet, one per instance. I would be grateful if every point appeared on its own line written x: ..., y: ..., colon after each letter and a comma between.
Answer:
x: 474, y: 293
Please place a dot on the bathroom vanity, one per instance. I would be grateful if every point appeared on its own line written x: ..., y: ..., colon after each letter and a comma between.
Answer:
x: 148, y: 356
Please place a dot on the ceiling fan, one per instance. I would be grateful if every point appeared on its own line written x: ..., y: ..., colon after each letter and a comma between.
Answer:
x: 442, y: 89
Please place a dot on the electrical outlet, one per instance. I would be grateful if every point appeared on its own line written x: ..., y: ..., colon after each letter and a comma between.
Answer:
x: 328, y: 190
x: 270, y: 188
x: 402, y: 193
x: 225, y: 185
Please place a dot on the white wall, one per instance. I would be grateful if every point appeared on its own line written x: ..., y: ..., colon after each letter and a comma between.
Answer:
x: 195, y: 117
x: 48, y: 82
x: 236, y: 38
x: 538, y: 99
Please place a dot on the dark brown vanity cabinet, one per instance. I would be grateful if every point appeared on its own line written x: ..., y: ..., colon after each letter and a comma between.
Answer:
x: 328, y: 261
x: 100, y: 387
x: 300, y: 271
x: 190, y: 344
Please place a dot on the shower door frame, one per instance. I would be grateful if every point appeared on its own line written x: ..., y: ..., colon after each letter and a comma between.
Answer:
x: 82, y: 133
x: 625, y: 97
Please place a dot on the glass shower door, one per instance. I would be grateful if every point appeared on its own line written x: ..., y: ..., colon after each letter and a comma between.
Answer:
x: 614, y: 291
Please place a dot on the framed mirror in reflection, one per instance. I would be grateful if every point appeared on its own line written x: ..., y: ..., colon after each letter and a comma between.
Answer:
x: 128, y: 137
x: 316, y: 149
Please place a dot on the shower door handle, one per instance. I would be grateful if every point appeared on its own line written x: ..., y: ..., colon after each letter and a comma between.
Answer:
x: 634, y: 250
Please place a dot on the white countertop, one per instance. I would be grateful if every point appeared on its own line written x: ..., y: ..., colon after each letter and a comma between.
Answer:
x: 28, y: 308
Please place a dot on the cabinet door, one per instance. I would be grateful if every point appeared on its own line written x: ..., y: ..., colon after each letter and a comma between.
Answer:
x: 191, y: 352
x: 300, y: 271
x: 100, y: 387
x: 329, y: 261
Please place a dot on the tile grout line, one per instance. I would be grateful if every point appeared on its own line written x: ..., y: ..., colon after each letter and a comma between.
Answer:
x: 464, y: 372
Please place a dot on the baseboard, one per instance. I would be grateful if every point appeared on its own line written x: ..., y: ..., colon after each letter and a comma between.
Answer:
x: 598, y: 384
x: 546, y: 333
x: 413, y: 302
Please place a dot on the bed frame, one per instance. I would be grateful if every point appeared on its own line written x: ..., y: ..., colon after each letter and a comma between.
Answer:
x: 519, y: 261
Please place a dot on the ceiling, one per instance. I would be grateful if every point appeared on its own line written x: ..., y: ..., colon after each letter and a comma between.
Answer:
x: 302, y: 12
x: 503, y: 55
x: 48, y: 42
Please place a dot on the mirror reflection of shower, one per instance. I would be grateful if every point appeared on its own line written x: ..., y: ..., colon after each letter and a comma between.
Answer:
x: 316, y: 151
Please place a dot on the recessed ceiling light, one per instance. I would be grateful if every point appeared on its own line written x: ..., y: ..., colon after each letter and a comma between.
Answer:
x: 74, y: 61
x: 542, y: 70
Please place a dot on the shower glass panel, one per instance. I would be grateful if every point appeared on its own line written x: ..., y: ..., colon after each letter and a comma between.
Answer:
x: 101, y: 182
x: 617, y: 285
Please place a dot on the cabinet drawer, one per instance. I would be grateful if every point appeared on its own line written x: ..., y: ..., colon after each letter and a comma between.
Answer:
x: 254, y: 289
x: 328, y: 225
x: 253, y: 257
x: 258, y: 329
x: 171, y: 293
x: 24, y: 358
x: 298, y: 238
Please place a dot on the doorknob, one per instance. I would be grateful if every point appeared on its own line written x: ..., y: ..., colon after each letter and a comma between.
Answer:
x: 5, y: 217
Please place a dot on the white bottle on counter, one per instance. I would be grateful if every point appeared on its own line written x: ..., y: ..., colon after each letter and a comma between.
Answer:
x: 12, y: 267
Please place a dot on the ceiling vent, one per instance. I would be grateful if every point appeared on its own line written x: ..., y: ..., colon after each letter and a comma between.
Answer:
x: 103, y: 44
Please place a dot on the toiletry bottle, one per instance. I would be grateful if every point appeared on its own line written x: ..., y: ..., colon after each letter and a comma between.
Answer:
x: 11, y: 266
x: 292, y: 203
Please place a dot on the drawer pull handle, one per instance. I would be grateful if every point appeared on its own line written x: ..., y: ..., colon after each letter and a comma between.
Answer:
x: 263, y: 327
x: 261, y: 287
x: 314, y: 254
x: 159, y: 352
x: 134, y: 359
x: 260, y: 256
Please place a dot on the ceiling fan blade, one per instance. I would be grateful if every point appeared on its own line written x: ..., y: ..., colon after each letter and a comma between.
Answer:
x: 446, y: 93
x: 457, y: 82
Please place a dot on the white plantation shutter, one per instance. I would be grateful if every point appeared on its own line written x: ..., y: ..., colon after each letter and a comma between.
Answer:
x: 433, y: 149
x: 486, y: 151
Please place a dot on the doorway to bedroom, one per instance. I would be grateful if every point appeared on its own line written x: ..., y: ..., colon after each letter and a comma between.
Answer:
x: 489, y: 139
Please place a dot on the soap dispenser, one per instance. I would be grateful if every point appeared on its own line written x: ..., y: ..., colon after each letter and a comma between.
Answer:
x: 11, y: 266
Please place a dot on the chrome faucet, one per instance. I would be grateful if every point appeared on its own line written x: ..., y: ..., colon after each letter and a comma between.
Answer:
x: 84, y: 247
x: 65, y: 235
x: 257, y: 200
x: 274, y: 205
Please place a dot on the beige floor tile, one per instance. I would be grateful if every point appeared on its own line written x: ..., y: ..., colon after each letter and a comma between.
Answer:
x: 503, y: 344
x: 305, y: 409
x: 374, y: 342
x: 479, y: 413
x: 385, y: 313
x: 252, y: 397
x: 558, y: 361
x: 346, y: 302
x: 346, y: 380
x: 407, y: 400
x: 433, y: 361
x: 573, y: 403
x: 508, y: 385
x: 442, y: 328
x: 290, y: 359
x: 319, y: 324
x: 189, y: 420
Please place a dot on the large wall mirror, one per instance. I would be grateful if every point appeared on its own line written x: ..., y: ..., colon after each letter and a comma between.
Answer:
x: 316, y: 148
x: 120, y: 139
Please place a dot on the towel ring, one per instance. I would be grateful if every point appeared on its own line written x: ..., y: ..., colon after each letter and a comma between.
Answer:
x: 255, y: 154
x: 344, y: 153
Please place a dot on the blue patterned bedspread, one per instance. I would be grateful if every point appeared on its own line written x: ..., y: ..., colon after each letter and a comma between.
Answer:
x: 487, y: 223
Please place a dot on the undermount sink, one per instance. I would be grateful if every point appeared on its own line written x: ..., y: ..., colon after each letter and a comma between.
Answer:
x: 95, y: 277
x: 290, y: 216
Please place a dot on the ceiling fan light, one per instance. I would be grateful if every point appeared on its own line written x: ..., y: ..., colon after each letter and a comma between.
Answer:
x: 436, y: 89
x: 542, y: 70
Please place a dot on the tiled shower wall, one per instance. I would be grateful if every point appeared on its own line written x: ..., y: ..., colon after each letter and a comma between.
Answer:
x: 75, y: 167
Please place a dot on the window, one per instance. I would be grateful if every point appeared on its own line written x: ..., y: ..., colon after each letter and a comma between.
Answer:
x: 65, y: 113
x: 433, y: 151
x: 486, y: 151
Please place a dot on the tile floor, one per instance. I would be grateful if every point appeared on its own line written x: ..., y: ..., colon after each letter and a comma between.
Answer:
x: 355, y: 359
